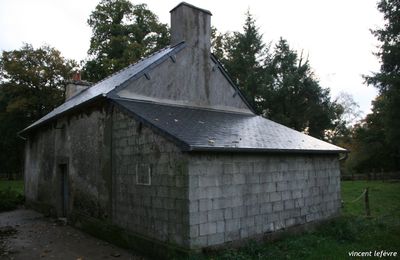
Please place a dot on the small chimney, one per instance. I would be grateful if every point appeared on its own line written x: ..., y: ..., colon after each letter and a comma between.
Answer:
x: 75, y: 86
x: 192, y: 25
x: 76, y: 76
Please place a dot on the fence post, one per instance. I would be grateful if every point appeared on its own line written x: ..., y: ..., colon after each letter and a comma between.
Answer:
x: 367, y: 209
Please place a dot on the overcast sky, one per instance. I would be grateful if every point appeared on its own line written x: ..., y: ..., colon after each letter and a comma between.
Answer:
x: 335, y: 34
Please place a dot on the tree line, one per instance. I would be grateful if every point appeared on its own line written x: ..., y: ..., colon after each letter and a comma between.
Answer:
x: 375, y: 140
x: 276, y: 80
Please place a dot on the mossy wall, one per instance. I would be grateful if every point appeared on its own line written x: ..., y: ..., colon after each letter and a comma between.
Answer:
x: 79, y: 141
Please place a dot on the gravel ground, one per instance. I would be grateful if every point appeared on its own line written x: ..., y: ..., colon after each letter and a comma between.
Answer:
x: 26, y: 234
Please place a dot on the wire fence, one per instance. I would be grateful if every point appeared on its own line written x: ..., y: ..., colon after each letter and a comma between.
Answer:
x: 369, y: 176
x: 365, y: 195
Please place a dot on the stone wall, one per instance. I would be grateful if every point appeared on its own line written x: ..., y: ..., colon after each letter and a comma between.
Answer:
x: 82, y: 143
x: 149, y: 183
x: 128, y: 174
x: 237, y: 196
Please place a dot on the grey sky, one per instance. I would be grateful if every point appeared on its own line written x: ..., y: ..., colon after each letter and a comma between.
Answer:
x: 335, y: 34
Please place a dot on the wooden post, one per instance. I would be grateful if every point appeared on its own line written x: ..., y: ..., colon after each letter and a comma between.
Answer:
x: 367, y: 209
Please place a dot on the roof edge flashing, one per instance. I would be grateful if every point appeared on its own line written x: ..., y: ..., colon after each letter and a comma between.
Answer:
x: 262, y: 150
x: 229, y: 79
x: 175, y: 49
x: 191, y: 6
x: 69, y: 104
x: 165, y: 102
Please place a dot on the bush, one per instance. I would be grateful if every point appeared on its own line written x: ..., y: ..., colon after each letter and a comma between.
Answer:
x: 10, y: 199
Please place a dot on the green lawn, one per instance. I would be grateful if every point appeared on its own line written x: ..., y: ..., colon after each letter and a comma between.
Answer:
x: 11, y: 194
x: 17, y: 186
x: 351, y: 231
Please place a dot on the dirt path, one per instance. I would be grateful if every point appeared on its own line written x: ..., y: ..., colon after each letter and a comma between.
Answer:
x: 25, y: 234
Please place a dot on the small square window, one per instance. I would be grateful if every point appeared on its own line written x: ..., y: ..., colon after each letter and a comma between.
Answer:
x: 143, y: 174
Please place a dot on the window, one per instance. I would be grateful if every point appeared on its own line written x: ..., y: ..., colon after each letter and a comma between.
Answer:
x: 143, y: 174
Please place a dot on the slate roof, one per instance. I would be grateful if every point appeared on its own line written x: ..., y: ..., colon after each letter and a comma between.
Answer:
x: 195, y: 129
x: 105, y: 86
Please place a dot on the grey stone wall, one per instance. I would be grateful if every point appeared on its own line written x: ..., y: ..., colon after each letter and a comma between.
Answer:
x: 123, y: 171
x: 235, y: 196
x: 82, y: 142
x: 159, y: 209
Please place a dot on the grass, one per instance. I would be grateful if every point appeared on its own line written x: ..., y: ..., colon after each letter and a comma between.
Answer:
x: 11, y: 194
x: 335, y: 239
x: 17, y: 186
x: 353, y: 231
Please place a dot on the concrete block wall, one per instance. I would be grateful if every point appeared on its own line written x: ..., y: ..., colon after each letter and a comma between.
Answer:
x: 81, y: 142
x: 237, y: 196
x: 158, y: 210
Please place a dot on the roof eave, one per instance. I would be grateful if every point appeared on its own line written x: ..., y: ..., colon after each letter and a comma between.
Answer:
x: 177, y: 47
x: 262, y: 150
x: 78, y: 106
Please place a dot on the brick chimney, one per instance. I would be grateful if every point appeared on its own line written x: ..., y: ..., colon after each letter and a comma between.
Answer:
x: 75, y: 86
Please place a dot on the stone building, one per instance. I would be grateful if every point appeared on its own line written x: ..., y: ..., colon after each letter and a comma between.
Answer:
x: 167, y: 153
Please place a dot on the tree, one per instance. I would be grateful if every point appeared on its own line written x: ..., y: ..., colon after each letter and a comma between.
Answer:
x: 279, y: 84
x: 293, y: 97
x: 242, y: 56
x: 351, y: 110
x: 218, y: 43
x: 387, y: 80
x: 123, y: 33
x: 369, y: 149
x: 31, y: 85
x: 348, y: 115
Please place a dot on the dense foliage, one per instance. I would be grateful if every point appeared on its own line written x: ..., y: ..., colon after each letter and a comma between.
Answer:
x: 31, y: 85
x: 11, y: 195
x: 376, y: 141
x: 123, y: 33
x: 278, y: 83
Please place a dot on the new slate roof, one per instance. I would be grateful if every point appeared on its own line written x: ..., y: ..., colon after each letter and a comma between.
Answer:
x: 195, y: 129
x: 110, y: 83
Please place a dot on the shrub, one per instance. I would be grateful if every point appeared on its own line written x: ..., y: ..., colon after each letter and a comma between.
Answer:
x: 10, y: 199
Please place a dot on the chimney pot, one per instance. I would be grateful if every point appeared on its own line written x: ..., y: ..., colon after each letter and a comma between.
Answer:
x: 76, y: 76
x: 75, y: 86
